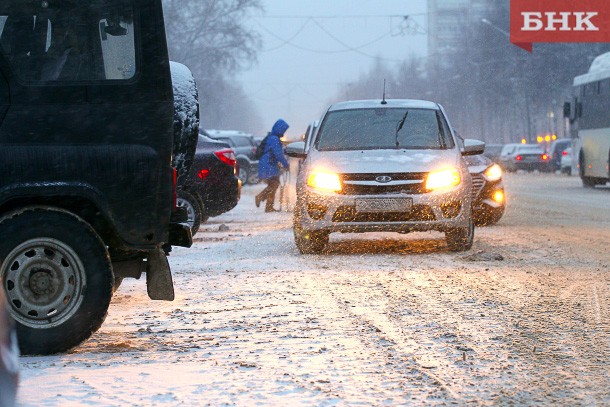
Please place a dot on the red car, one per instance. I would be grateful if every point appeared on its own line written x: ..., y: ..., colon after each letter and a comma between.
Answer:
x: 9, y: 356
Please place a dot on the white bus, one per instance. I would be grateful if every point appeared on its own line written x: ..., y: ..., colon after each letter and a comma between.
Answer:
x: 589, y: 113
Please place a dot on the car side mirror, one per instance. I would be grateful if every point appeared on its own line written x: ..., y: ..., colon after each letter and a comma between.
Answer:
x: 296, y: 150
x: 473, y: 147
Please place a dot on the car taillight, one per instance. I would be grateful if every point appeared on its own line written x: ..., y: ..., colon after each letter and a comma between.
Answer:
x: 564, y: 152
x: 175, y: 181
x: 226, y: 156
x: 203, y: 174
x: 544, y: 157
x: 518, y: 158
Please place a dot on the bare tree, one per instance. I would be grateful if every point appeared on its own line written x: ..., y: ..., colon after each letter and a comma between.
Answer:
x: 212, y: 39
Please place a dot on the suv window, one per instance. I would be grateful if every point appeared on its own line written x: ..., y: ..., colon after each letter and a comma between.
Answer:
x: 379, y: 128
x: 59, y: 43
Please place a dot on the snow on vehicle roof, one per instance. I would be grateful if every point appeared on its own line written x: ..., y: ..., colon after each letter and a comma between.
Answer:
x: 391, y: 103
x: 599, y: 70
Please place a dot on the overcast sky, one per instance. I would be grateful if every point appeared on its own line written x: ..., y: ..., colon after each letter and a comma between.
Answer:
x: 311, y: 48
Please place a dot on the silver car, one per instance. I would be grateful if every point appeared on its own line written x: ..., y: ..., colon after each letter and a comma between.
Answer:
x: 393, y: 166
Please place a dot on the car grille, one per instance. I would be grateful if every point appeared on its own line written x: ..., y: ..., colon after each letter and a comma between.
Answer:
x: 350, y: 185
x: 417, y: 213
x: 478, y: 182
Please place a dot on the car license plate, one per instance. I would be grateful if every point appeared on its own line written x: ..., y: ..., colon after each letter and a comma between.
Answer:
x: 384, y: 204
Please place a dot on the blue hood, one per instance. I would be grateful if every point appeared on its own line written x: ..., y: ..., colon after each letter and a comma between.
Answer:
x: 279, y: 128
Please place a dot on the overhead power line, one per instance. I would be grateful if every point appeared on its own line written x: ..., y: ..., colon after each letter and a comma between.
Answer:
x: 364, y: 16
x: 406, y: 26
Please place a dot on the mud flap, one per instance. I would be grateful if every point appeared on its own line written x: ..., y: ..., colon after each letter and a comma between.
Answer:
x: 159, y: 282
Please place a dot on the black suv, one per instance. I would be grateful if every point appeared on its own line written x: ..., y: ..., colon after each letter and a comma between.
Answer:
x: 244, y: 146
x: 87, y: 186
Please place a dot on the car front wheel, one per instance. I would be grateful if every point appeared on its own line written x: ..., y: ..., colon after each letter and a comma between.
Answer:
x: 307, y: 241
x: 460, y: 239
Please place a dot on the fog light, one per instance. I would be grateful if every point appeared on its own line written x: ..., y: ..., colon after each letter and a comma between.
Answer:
x: 498, y: 196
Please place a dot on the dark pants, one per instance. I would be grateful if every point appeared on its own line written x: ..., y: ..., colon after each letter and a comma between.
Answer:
x: 268, y: 194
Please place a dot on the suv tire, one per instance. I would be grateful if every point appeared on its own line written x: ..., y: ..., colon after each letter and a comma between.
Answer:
x: 58, y: 278
x: 460, y: 239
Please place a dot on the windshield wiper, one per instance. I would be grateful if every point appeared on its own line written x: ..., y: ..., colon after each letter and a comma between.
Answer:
x: 399, y: 127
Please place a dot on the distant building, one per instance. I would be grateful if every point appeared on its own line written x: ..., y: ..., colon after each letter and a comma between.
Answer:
x: 448, y: 21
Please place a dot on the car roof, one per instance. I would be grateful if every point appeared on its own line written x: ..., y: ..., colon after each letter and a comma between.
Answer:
x: 390, y: 103
x: 225, y: 133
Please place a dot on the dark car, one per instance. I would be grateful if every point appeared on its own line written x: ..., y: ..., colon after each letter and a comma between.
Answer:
x: 488, y: 198
x: 9, y: 356
x: 213, y: 187
x: 556, y: 151
x: 244, y: 146
x: 528, y: 157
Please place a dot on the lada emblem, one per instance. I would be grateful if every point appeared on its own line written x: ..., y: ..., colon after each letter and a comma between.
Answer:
x: 384, y: 179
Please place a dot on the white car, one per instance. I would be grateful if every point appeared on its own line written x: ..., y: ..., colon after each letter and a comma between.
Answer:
x: 566, y: 161
x: 388, y: 166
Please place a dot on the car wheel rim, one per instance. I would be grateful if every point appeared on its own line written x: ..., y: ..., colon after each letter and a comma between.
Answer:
x: 44, y: 280
x: 190, y: 210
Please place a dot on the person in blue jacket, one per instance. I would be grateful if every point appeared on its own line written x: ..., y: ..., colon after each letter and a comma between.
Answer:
x: 268, y: 165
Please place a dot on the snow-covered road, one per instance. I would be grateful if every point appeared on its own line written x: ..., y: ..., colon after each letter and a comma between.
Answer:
x: 383, y: 319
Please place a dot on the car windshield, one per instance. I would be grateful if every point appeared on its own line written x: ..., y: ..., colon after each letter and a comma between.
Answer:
x: 382, y: 128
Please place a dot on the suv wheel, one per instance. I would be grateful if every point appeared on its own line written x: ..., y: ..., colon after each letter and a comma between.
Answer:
x: 193, y: 209
x: 460, y: 239
x: 57, y: 276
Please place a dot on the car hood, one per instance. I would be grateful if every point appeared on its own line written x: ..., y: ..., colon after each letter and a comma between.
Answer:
x: 383, y: 161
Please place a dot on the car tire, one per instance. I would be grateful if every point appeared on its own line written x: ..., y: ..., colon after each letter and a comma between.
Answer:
x: 307, y: 241
x: 57, y: 277
x: 460, y: 239
x: 193, y: 209
x: 244, y: 174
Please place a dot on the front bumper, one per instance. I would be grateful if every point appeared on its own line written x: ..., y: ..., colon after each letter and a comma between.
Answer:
x: 331, y: 212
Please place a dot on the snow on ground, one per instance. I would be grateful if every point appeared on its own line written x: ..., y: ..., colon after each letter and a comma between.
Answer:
x: 382, y: 319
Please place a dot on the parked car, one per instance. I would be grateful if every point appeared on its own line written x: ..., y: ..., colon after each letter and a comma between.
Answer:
x: 492, y: 151
x: 388, y: 166
x: 556, y: 151
x: 213, y: 187
x: 527, y: 157
x: 566, y: 161
x: 488, y: 198
x: 9, y: 356
x: 244, y: 146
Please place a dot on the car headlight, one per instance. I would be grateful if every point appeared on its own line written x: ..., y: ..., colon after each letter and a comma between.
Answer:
x: 324, y: 180
x: 446, y: 178
x: 493, y: 173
